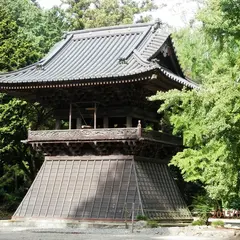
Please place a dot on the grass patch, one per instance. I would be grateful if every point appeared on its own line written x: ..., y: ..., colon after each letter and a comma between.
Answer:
x: 199, y: 222
x: 218, y: 223
x: 141, y: 217
x: 152, y: 224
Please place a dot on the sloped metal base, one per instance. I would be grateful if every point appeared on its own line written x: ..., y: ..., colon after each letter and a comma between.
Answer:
x: 103, y: 187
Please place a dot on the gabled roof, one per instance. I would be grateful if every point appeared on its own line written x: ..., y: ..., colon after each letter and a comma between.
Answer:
x: 96, y: 54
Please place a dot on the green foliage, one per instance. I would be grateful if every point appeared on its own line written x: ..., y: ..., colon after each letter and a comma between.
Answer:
x: 208, y: 118
x: 27, y: 32
x: 199, y: 222
x: 141, y: 217
x: 203, y: 205
x: 152, y: 224
x: 221, y: 18
x: 209, y: 121
x: 91, y: 14
x: 211, y: 51
x: 217, y: 223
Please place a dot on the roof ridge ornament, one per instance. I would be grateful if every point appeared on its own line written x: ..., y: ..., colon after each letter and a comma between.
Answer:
x: 40, y: 66
x: 157, y: 25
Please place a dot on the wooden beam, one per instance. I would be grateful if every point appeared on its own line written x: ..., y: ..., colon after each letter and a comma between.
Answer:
x: 57, y: 124
x: 95, y: 116
x: 70, y: 116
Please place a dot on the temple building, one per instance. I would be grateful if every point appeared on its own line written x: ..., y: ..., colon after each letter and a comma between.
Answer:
x: 108, y: 149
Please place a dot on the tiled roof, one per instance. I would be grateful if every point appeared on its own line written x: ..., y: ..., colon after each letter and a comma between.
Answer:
x: 94, y: 54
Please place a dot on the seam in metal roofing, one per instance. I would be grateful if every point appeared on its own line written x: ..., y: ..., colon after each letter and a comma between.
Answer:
x: 93, y: 54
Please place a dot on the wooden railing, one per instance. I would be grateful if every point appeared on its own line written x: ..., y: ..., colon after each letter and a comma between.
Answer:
x: 102, y: 134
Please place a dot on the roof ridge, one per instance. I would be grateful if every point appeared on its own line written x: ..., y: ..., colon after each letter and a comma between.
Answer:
x: 20, y: 69
x: 116, y: 27
x: 127, y: 54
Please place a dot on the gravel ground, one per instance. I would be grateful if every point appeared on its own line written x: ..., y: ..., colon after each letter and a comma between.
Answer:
x: 186, y: 233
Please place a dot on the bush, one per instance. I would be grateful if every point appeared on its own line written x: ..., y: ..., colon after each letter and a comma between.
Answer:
x: 152, y: 224
x: 218, y: 223
x: 141, y: 217
x: 199, y: 222
x: 203, y: 205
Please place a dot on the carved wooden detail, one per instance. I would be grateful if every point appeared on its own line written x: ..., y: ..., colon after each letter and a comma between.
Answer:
x: 102, y: 134
x: 86, y: 135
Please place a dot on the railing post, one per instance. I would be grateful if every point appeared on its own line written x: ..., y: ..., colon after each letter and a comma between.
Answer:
x: 139, y: 130
x: 70, y: 116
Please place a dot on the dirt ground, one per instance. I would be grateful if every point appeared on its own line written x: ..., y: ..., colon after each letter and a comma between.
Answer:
x: 102, y: 234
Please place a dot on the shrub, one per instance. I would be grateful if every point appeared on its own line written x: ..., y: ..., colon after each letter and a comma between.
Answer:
x: 141, y: 217
x: 152, y: 224
x: 217, y: 223
x: 199, y: 222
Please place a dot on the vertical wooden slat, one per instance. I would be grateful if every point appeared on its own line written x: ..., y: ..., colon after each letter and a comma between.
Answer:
x: 119, y: 188
x: 50, y: 197
x: 113, y: 180
x: 41, y: 188
x: 80, y: 194
x: 66, y: 190
x: 137, y: 185
x: 104, y: 187
x: 89, y: 186
x: 100, y: 169
x: 75, y: 184
x: 60, y: 187
x: 28, y: 195
x: 129, y: 180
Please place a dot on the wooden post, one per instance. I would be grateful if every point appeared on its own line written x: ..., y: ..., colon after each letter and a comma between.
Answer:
x: 79, y: 123
x: 57, y: 124
x: 129, y: 122
x: 105, y: 122
x: 95, y: 115
x: 133, y: 213
x: 70, y: 116
x: 139, y: 128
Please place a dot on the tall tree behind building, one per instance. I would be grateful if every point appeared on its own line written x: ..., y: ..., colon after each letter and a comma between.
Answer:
x: 26, y: 34
x: 100, y: 13
x: 208, y: 118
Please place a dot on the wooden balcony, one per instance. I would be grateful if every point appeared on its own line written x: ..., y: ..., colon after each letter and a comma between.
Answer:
x: 101, y: 135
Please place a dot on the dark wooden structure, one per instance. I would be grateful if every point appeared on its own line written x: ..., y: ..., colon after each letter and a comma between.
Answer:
x: 100, y: 158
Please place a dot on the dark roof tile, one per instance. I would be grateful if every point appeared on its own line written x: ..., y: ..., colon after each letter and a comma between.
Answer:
x: 98, y: 53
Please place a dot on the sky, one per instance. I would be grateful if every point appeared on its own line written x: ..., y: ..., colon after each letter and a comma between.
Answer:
x: 176, y: 13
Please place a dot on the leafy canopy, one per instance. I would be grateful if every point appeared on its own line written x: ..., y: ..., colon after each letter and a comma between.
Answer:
x: 209, y: 121
x: 90, y: 14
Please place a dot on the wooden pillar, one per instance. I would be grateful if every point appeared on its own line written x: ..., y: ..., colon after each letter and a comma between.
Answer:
x: 79, y: 123
x: 95, y: 116
x: 105, y: 122
x: 57, y: 124
x: 129, y: 121
x: 70, y: 116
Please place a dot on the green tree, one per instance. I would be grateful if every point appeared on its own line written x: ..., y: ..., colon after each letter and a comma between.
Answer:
x: 209, y: 121
x: 208, y: 118
x: 14, y: 51
x: 90, y: 14
x: 26, y: 34
x: 210, y: 49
